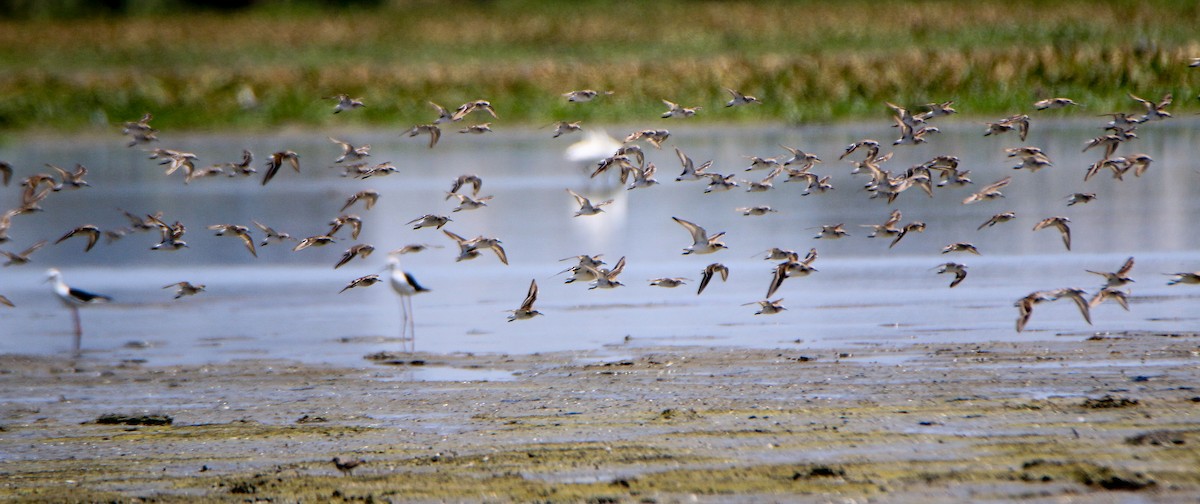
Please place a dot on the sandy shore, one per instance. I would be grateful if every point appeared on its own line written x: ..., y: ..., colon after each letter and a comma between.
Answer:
x: 1107, y: 419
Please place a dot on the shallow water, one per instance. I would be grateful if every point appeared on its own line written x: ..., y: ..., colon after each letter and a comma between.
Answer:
x: 285, y: 305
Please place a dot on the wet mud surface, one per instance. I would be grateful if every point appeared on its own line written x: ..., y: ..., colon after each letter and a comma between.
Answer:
x: 1109, y: 418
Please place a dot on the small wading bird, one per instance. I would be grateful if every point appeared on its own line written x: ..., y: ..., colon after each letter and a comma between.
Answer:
x: 607, y: 278
x: 405, y: 286
x: 526, y: 310
x: 73, y: 298
x: 347, y: 466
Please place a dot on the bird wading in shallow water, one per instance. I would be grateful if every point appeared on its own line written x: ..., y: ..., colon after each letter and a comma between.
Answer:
x: 73, y: 298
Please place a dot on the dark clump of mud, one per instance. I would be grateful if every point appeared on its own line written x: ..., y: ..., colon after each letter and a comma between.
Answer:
x: 119, y: 419
x: 1109, y: 401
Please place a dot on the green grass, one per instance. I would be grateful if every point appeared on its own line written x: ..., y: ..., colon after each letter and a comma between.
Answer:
x: 809, y: 61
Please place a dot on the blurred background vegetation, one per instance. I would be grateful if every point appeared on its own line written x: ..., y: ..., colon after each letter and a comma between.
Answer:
x: 258, y: 64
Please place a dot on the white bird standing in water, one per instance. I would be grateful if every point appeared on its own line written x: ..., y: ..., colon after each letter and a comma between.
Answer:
x: 74, y: 298
x: 405, y: 285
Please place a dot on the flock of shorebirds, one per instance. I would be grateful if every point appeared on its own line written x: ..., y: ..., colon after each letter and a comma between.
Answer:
x: 628, y: 163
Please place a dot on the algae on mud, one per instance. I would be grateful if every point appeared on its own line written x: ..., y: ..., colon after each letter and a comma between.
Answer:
x: 704, y: 424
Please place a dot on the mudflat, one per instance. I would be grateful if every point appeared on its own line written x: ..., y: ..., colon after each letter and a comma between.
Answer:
x: 1106, y: 418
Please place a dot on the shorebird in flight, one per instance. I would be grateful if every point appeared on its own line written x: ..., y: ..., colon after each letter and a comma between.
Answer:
x: 584, y: 95
x: 185, y: 289
x: 960, y: 247
x: 270, y: 235
x: 1078, y: 198
x: 1154, y: 111
x: 70, y: 179
x: 997, y: 219
x: 959, y: 271
x: 1059, y: 223
x: 365, y: 281
x: 17, y: 259
x: 709, y: 272
x: 792, y: 266
x: 468, y: 203
x: 831, y: 232
x: 888, y: 228
x: 989, y: 192
x: 464, y: 180
x: 429, y: 220
x: 702, y: 243
x: 526, y: 311
x: 755, y: 210
x: 917, y: 226
x: 807, y: 159
x: 607, y: 278
x: 443, y: 114
x: 1110, y: 293
x: 563, y: 127
x: 74, y: 298
x: 1116, y: 278
x: 368, y: 197
x: 276, y: 162
x: 345, y: 102
x: 768, y: 307
x: 171, y: 235
x: 350, y: 152
x: 434, y: 132
x: 677, y: 111
x: 477, y: 129
x: 313, y: 241
x: 669, y: 283
x: 466, y: 108
x: 353, y: 221
x: 1025, y: 304
x: 690, y: 171
x: 1019, y: 122
x: 740, y: 99
x: 586, y: 207
x: 1184, y: 278
x: 1053, y: 103
x: 360, y: 250
x: 87, y: 230
x: 238, y: 231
